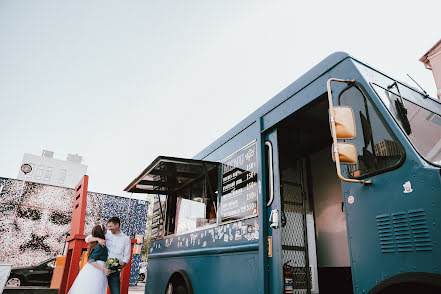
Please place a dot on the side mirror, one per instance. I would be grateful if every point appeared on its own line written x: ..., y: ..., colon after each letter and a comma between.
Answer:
x: 341, y: 120
x: 347, y: 153
x: 344, y: 122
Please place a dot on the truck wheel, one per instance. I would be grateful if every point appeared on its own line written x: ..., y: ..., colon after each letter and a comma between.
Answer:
x: 181, y: 289
x: 13, y: 282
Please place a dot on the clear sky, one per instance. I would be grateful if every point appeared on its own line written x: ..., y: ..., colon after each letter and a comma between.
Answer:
x: 121, y: 82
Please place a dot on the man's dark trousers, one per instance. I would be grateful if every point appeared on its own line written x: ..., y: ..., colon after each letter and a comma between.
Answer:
x: 114, y: 281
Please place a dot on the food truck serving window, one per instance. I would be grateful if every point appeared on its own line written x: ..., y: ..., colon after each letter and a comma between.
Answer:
x: 196, y: 204
x: 187, y: 190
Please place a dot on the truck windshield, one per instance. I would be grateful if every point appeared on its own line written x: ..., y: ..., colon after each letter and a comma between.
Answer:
x: 425, y: 124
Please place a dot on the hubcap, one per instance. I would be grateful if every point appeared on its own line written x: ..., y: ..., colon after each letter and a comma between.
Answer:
x: 14, y: 282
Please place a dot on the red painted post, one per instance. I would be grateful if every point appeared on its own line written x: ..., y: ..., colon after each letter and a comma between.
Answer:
x: 77, y: 250
x: 65, y: 272
x: 125, y: 273
x: 76, y: 241
x: 79, y: 207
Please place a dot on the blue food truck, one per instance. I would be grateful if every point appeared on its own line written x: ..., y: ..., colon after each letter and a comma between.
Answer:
x: 332, y: 186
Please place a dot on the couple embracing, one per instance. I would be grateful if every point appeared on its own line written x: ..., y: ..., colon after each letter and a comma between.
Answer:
x: 95, y: 276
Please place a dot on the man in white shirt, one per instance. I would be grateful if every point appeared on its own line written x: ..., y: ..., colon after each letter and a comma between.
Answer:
x: 118, y: 245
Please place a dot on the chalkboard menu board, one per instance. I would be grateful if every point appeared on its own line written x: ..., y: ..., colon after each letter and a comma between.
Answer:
x: 157, y: 220
x: 239, y: 184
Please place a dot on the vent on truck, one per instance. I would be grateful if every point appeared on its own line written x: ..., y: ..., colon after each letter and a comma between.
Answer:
x: 404, y: 231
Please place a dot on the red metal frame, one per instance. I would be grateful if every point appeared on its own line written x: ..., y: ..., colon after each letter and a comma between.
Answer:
x: 77, y: 244
x: 76, y: 241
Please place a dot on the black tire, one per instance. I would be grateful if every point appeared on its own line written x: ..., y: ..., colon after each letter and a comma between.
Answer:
x: 180, y: 289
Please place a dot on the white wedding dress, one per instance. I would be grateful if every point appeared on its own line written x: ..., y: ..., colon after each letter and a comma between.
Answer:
x: 90, y: 280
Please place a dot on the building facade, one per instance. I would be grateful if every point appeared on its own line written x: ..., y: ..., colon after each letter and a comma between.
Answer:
x: 35, y: 220
x: 51, y: 171
x: 432, y: 61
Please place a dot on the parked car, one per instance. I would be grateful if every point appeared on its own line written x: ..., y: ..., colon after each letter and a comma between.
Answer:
x: 142, y: 271
x: 40, y: 274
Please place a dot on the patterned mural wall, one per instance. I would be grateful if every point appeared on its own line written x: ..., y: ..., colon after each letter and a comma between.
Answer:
x: 35, y: 220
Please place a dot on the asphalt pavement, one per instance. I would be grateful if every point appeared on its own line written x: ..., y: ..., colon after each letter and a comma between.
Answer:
x: 139, y: 289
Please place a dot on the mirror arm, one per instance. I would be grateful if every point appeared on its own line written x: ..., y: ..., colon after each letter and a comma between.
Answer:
x: 334, y: 134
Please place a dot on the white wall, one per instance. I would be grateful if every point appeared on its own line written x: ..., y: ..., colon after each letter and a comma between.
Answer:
x: 55, y: 168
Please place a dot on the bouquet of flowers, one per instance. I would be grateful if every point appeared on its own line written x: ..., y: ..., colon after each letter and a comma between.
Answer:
x: 113, y: 265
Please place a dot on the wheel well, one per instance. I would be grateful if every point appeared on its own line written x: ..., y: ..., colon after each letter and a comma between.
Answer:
x: 409, y: 283
x: 13, y: 276
x: 410, y: 288
x: 181, y: 278
x: 16, y: 276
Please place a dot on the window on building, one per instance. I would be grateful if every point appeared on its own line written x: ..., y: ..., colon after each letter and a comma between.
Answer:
x: 39, y: 172
x: 47, y: 174
x: 435, y: 118
x: 62, y: 176
x: 377, y: 148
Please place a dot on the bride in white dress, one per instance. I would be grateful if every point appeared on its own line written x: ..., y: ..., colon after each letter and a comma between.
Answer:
x: 93, y: 277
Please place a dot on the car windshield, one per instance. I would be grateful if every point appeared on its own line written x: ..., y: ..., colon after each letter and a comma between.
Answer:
x: 425, y: 125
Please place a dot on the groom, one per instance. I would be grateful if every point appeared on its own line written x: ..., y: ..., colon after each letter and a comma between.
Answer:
x: 118, y: 245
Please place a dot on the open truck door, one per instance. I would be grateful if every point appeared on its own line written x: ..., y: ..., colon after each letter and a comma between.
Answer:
x: 292, y: 267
